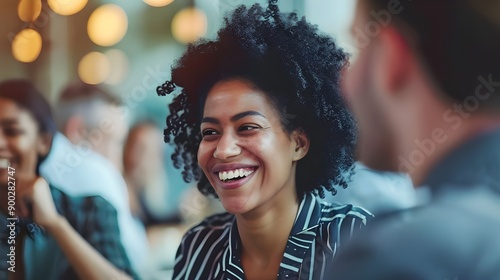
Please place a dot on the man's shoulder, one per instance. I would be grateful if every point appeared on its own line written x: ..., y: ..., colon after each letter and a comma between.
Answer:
x: 447, y: 224
x: 440, y: 240
x: 91, y: 167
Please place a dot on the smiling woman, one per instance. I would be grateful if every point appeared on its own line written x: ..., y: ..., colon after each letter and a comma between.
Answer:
x: 261, y: 124
x: 50, y: 235
x: 246, y: 155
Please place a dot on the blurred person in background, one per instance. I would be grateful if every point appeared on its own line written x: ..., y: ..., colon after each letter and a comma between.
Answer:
x: 426, y: 91
x: 93, y: 114
x: 56, y: 236
x: 261, y: 124
x: 87, y: 159
x: 148, y: 189
x: 144, y: 172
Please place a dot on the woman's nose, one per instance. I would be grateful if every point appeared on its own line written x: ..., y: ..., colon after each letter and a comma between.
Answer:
x: 227, y: 147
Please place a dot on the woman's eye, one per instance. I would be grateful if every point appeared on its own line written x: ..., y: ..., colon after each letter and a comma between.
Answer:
x: 12, y: 131
x: 208, y: 132
x: 248, y: 127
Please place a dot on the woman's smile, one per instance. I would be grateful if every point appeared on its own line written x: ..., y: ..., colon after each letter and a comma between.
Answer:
x: 234, y: 175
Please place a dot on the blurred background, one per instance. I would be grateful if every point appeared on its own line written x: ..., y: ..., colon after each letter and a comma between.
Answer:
x: 128, y: 47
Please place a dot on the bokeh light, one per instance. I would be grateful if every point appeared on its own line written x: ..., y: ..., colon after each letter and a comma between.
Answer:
x: 29, y: 10
x: 189, y: 24
x: 119, y: 66
x: 94, y: 68
x: 67, y: 7
x: 158, y: 3
x: 27, y: 45
x: 107, y: 25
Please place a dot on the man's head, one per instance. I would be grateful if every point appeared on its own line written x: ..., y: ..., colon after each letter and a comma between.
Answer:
x: 427, y: 75
x: 91, y: 116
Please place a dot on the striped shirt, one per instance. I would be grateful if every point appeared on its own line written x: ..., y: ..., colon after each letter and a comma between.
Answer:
x: 212, y: 249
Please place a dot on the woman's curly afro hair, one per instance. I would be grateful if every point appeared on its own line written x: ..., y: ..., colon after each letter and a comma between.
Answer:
x: 289, y: 60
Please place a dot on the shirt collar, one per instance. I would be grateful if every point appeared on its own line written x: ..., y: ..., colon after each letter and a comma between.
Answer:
x: 308, y: 216
x: 231, y: 261
x: 475, y: 163
x: 300, y: 240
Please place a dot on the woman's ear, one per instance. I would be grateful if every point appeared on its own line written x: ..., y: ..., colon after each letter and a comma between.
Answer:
x: 44, y: 143
x: 301, y: 142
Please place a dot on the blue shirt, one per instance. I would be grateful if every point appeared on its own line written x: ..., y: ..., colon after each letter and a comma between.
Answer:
x: 212, y: 249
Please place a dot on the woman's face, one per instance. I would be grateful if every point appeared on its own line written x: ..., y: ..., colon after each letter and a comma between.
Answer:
x: 245, y: 153
x: 20, y: 141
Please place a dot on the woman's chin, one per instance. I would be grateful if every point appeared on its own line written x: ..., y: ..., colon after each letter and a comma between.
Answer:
x: 235, y: 205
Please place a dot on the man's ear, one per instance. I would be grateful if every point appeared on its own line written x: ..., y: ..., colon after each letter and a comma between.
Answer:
x: 44, y: 144
x: 301, y: 144
x: 393, y: 60
x: 72, y: 129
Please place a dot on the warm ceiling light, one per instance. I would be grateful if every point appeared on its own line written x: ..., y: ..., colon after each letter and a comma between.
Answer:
x: 107, y: 25
x: 67, y: 7
x: 158, y: 3
x: 119, y: 66
x: 94, y: 68
x: 29, y: 10
x: 189, y: 24
x: 27, y: 45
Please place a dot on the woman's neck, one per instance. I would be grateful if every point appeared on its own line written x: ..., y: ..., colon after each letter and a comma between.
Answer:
x: 264, y: 231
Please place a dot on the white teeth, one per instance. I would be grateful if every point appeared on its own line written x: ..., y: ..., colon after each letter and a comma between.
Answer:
x: 4, y: 163
x: 232, y: 174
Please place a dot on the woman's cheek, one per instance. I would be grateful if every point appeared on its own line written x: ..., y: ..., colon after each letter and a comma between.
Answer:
x: 204, y: 155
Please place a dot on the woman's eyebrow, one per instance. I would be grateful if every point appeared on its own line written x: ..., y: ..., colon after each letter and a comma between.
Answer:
x: 234, y: 118
x: 246, y: 114
x: 210, y: 120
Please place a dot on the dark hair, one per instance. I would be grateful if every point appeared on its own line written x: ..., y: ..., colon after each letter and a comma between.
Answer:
x: 294, y: 65
x: 26, y: 96
x: 459, y: 41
